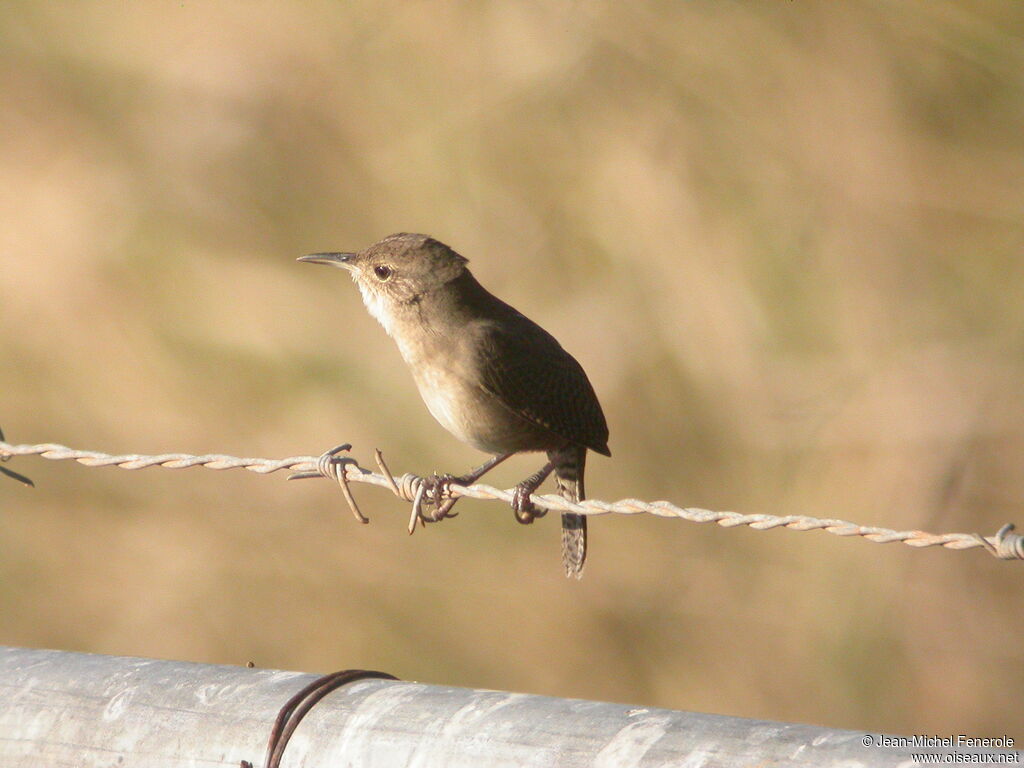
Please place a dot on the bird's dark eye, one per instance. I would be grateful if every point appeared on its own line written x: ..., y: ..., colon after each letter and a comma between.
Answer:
x: 382, y: 272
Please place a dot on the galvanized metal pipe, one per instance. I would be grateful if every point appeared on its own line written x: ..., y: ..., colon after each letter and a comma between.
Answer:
x: 73, y: 709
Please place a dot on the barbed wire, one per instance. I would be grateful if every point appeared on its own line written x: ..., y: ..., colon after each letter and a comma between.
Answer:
x: 1004, y: 545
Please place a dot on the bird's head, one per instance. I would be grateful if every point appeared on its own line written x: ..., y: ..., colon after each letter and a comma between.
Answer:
x: 394, y: 275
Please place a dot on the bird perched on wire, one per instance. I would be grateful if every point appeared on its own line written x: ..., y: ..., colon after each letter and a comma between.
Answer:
x: 490, y: 375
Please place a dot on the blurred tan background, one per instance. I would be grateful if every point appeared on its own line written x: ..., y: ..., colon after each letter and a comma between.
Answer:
x: 784, y: 239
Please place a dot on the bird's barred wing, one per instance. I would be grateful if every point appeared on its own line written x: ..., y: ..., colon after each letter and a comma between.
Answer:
x: 529, y: 372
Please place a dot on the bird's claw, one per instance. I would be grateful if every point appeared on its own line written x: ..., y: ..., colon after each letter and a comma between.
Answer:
x: 437, y: 498
x: 524, y: 509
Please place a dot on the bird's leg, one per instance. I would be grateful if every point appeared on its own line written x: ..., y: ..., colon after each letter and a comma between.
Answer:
x: 524, y: 509
x: 436, y: 487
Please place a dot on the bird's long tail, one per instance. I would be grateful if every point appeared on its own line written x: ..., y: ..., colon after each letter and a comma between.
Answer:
x: 569, y: 466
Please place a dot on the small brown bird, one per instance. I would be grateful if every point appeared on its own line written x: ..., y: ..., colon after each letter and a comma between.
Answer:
x: 490, y: 375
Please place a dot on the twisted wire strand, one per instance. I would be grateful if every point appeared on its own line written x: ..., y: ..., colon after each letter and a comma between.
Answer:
x: 1004, y: 545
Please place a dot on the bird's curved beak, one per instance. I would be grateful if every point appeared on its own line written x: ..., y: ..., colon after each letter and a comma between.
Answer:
x: 334, y: 259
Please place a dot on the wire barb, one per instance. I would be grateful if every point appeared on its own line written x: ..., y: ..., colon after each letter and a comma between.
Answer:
x: 379, y: 458
x: 417, y: 508
x: 332, y: 466
x: 1004, y: 545
x: 5, y: 456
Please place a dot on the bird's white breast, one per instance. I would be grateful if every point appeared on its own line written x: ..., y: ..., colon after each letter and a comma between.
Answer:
x: 377, y: 306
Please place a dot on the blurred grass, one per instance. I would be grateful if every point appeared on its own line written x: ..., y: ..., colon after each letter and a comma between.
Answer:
x: 785, y: 240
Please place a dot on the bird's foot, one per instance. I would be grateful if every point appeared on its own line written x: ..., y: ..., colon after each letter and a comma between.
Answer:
x: 524, y: 509
x: 438, y: 501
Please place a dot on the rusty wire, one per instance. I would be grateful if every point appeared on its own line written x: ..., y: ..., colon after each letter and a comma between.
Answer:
x: 1004, y: 545
x: 299, y: 705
